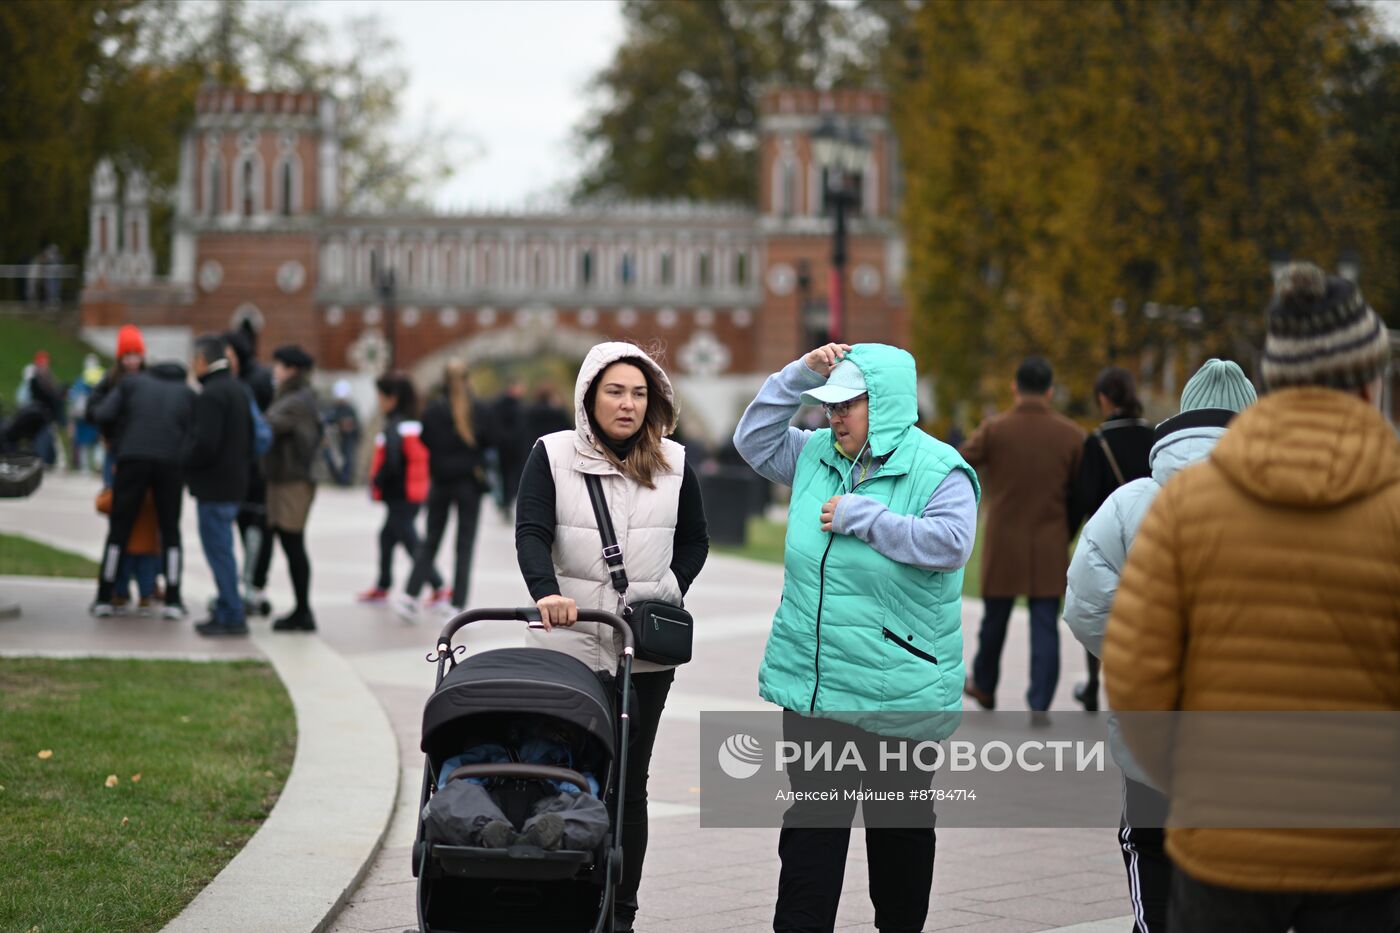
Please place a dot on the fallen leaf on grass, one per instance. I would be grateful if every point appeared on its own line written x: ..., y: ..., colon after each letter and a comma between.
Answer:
x: 46, y: 754
x: 267, y: 774
x: 136, y: 779
x: 125, y: 821
x: 111, y: 780
x: 184, y: 719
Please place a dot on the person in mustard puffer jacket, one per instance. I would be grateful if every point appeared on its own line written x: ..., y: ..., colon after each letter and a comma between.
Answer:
x: 1267, y: 578
x: 867, y: 641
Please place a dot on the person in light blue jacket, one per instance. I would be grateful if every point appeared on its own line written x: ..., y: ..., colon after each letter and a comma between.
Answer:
x: 1214, y: 395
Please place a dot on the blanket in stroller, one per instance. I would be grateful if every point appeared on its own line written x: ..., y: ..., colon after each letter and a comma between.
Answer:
x: 466, y: 814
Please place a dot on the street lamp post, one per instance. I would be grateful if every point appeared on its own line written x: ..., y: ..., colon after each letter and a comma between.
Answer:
x: 841, y: 153
x: 384, y: 284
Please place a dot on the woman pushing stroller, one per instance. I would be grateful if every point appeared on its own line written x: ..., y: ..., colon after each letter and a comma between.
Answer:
x: 624, y: 410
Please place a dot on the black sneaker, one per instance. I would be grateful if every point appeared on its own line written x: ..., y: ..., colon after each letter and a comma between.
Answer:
x: 296, y: 622
x: 1090, y: 701
x: 212, y: 627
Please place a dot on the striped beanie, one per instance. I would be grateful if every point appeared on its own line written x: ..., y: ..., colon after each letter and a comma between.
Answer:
x: 1321, y: 332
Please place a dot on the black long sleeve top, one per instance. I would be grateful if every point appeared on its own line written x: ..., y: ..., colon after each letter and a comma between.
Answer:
x: 535, y: 523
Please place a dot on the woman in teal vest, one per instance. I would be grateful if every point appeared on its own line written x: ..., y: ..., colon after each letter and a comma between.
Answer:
x: 867, y: 640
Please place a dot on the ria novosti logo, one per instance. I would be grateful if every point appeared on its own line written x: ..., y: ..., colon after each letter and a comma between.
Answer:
x: 740, y: 756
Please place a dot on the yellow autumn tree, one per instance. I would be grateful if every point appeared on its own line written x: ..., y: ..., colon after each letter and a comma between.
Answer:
x: 1063, y: 157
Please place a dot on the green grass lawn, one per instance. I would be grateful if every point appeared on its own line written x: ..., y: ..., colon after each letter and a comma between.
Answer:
x: 21, y: 557
x: 22, y: 337
x: 199, y: 752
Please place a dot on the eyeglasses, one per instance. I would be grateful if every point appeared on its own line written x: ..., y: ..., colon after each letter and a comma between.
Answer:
x: 840, y: 408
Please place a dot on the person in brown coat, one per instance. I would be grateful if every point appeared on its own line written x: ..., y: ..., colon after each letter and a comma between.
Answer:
x: 1028, y: 460
x: 1267, y: 577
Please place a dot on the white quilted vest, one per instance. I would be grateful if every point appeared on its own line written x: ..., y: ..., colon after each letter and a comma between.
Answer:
x: 645, y: 523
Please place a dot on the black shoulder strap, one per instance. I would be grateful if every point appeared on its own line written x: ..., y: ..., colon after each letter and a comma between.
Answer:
x: 612, y: 552
x: 1108, y: 454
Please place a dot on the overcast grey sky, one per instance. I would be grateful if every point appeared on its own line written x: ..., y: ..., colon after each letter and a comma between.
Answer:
x: 509, y: 76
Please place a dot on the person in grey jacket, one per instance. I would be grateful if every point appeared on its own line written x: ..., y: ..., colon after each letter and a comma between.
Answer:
x: 150, y: 412
x: 1210, y: 399
x: 296, y: 437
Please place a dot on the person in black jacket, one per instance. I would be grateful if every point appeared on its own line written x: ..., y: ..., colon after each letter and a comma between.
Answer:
x: 149, y: 413
x: 1114, y: 454
x: 216, y: 469
x: 454, y: 425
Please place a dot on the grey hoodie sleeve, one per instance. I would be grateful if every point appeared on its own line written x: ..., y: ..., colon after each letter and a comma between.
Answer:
x: 764, y: 438
x: 938, y: 539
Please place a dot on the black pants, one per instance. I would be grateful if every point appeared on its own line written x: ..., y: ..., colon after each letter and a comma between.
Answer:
x: 253, y: 530
x: 298, y: 567
x: 899, y: 838
x: 1145, y: 856
x: 466, y: 496
x: 1198, y: 907
x: 649, y: 691
x: 399, y: 530
x: 166, y: 484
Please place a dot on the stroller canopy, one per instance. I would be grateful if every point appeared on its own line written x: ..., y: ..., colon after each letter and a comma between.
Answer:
x: 533, y: 681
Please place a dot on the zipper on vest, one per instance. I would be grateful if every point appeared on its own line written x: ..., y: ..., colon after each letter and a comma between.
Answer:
x: 917, y: 652
x: 821, y: 592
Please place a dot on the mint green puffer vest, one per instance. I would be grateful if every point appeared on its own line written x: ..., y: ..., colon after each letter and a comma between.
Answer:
x: 857, y: 636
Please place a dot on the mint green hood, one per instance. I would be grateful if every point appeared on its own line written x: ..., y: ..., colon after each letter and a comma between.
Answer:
x: 858, y: 636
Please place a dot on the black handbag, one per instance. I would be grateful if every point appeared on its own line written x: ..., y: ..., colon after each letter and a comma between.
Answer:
x: 662, y: 631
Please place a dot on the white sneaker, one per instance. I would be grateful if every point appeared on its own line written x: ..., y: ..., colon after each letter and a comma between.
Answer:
x: 404, y: 606
x: 102, y: 610
x: 173, y: 611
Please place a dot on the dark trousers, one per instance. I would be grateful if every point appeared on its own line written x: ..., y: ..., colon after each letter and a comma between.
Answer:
x: 466, y: 496
x: 1198, y: 907
x: 1045, y: 647
x: 298, y: 567
x: 812, y: 845
x: 649, y: 692
x: 399, y: 530
x: 1145, y: 856
x: 257, y: 544
x: 129, y: 485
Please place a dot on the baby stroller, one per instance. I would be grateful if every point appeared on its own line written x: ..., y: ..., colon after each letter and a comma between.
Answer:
x: 522, y: 888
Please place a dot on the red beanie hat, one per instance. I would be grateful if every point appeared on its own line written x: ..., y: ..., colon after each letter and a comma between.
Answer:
x: 129, y: 341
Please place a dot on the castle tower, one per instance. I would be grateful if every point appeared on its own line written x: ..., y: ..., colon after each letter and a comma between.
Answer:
x: 796, y: 221
x: 137, y: 262
x: 104, y: 232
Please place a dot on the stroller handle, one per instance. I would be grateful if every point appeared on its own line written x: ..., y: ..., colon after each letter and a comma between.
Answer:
x: 520, y: 770
x: 530, y: 614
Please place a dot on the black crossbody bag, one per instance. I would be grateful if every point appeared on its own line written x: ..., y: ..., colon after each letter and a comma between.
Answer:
x: 662, y: 631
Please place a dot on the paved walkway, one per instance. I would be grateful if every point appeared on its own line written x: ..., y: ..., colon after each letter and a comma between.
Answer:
x: 696, y: 879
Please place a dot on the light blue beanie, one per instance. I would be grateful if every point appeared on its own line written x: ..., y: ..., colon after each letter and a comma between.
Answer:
x: 1218, y: 384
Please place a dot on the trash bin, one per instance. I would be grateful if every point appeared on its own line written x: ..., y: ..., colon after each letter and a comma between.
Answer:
x: 728, y: 494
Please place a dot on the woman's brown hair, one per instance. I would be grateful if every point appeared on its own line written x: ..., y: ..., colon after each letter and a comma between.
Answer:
x: 646, y: 459
x: 459, y: 397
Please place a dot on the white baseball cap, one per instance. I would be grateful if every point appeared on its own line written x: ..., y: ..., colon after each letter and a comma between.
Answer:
x: 845, y: 383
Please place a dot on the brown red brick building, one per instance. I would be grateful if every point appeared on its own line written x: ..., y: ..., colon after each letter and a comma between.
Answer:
x: 733, y: 292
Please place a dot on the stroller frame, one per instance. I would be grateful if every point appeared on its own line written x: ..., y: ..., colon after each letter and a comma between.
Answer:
x: 526, y: 863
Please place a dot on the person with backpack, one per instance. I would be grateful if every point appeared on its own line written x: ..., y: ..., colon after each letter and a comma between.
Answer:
x: 296, y: 440
x: 1114, y: 454
x: 216, y: 469
x: 399, y: 479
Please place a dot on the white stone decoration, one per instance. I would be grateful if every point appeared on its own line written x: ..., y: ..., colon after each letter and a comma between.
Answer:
x: 546, y: 317
x: 485, y: 317
x: 666, y: 317
x: 448, y: 317
x: 373, y: 315
x: 743, y: 317
x: 705, y: 317
x: 781, y: 279
x: 335, y: 315
x: 247, y: 312
x: 704, y: 355
x: 588, y: 317
x: 627, y: 317
x: 410, y: 316
x: 291, y: 276
x: 369, y: 352
x: 211, y: 275
x: 866, y: 279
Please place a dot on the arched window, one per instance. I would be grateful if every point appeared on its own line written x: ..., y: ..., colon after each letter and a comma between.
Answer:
x: 537, y: 268
x: 286, y: 189
x: 668, y: 268
x: 102, y: 234
x: 249, y: 206
x: 787, y: 197
x: 741, y: 269
x: 625, y: 273
x: 703, y: 272
x: 214, y: 186
x: 585, y: 267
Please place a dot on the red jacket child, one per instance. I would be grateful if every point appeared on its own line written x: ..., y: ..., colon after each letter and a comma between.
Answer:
x: 399, y: 471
